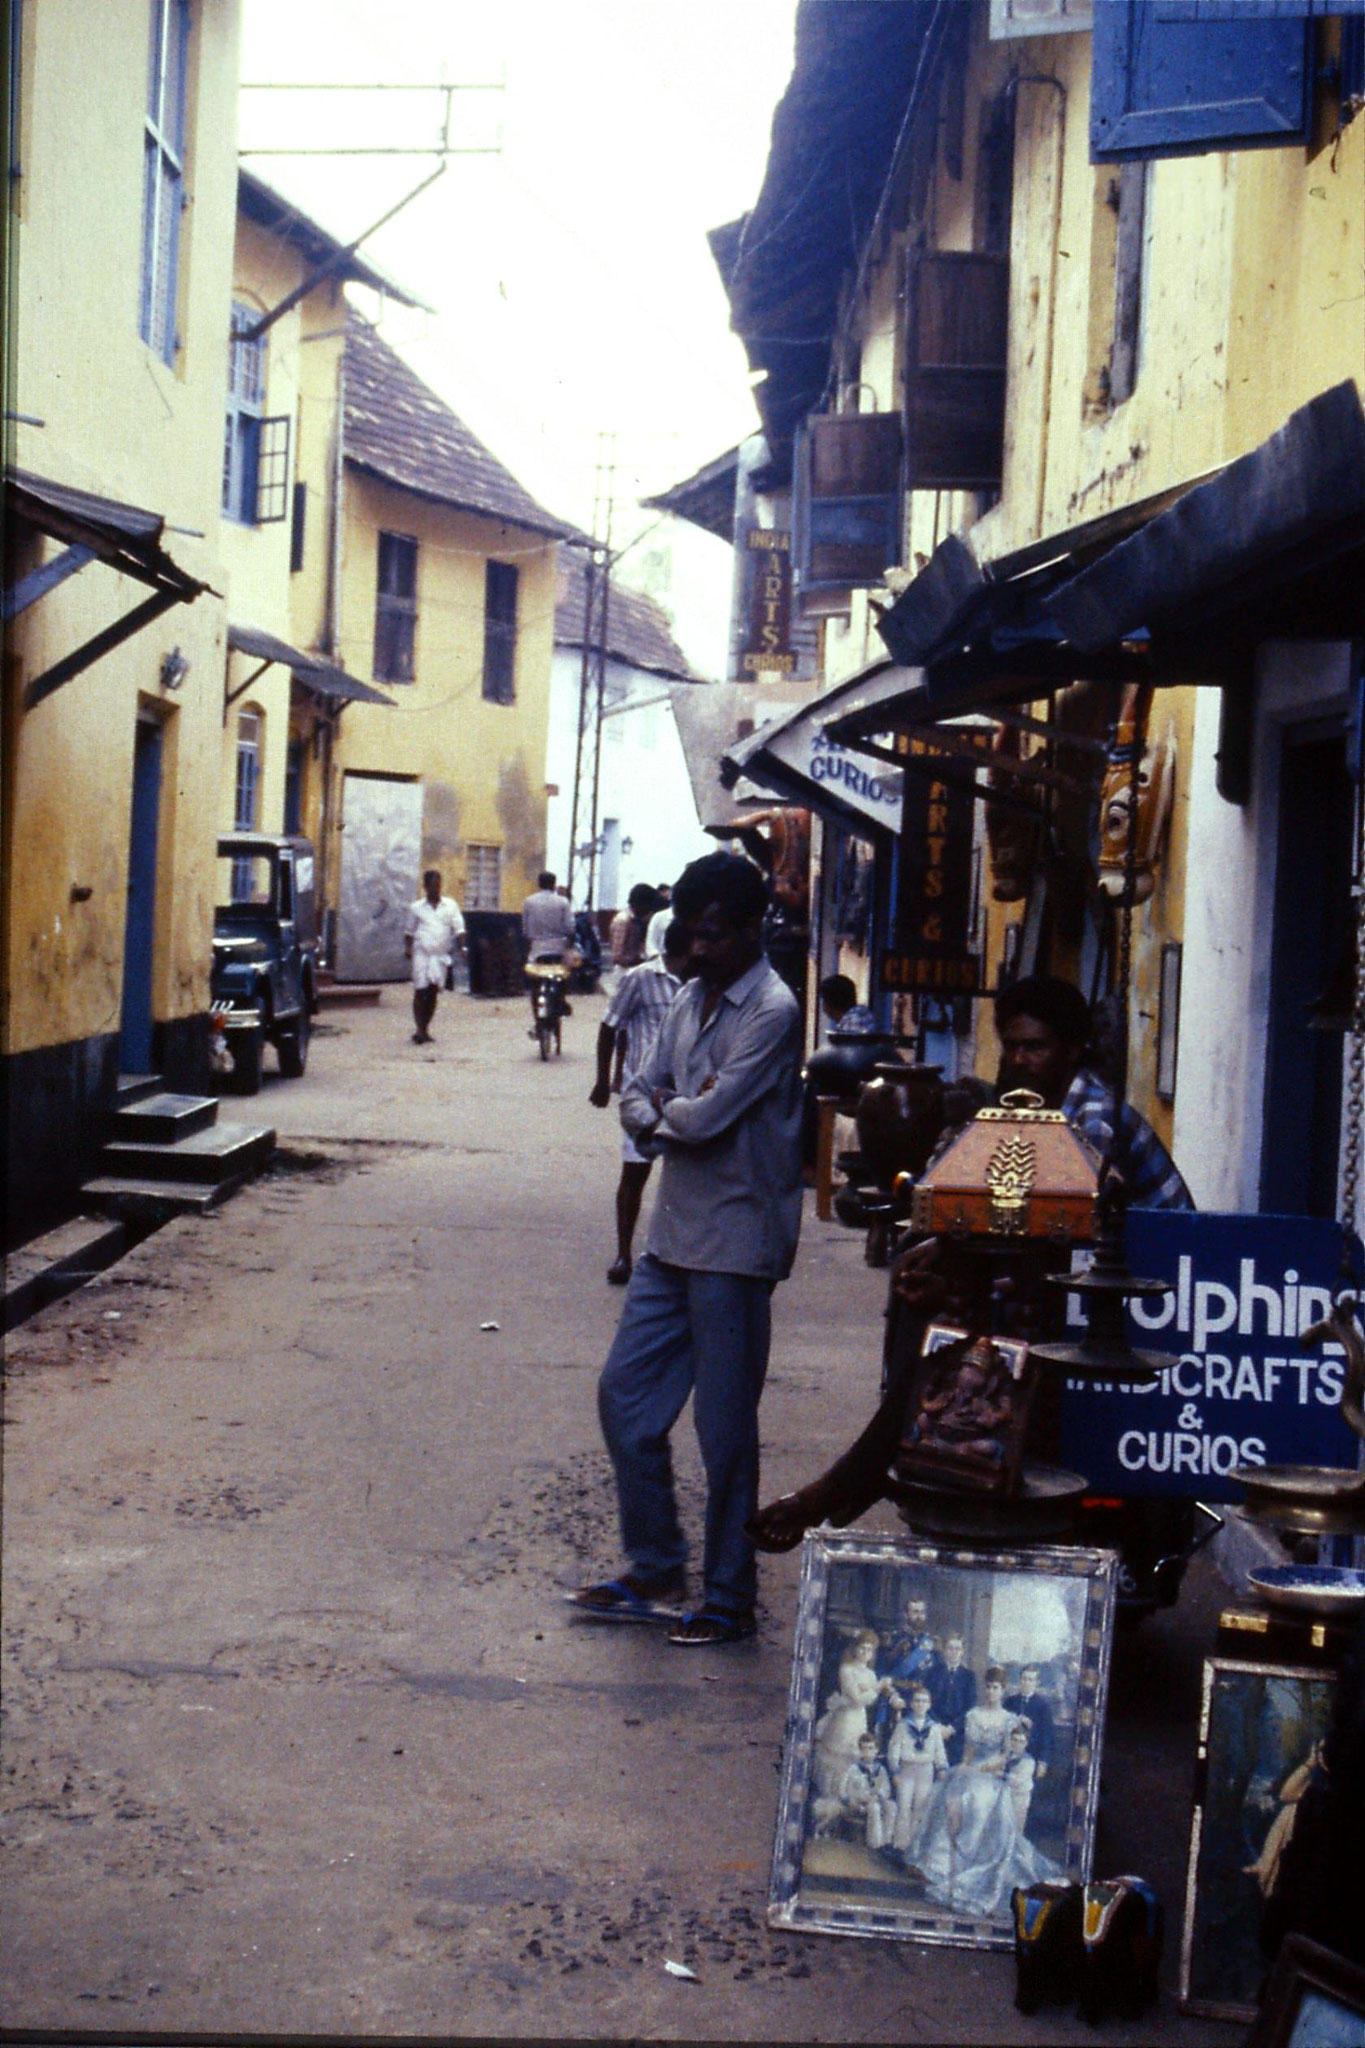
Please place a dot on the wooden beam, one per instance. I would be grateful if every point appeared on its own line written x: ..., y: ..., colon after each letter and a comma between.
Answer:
x: 46, y: 577
x: 103, y: 643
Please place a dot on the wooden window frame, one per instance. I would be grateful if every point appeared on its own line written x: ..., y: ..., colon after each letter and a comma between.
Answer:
x: 395, y: 609
x: 501, y: 598
x: 163, y: 178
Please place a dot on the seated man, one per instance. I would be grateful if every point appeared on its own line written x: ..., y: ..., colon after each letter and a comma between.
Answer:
x: 1044, y: 1027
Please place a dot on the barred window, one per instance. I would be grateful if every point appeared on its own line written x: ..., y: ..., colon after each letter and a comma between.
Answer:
x: 483, y: 877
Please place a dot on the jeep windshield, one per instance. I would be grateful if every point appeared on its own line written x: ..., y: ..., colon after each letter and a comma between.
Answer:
x: 249, y: 885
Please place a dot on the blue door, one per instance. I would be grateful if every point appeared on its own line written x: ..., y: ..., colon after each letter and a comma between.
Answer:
x: 1302, y: 1127
x: 135, y: 1039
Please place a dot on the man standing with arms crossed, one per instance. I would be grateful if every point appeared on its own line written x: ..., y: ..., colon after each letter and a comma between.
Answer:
x: 718, y: 1098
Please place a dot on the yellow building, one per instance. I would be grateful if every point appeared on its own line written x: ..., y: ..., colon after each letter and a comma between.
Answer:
x: 283, y: 701
x: 122, y: 193
x: 1060, y: 336
x: 445, y: 599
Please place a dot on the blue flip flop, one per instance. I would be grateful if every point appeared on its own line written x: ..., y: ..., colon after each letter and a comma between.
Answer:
x: 617, y: 1600
x: 709, y: 1629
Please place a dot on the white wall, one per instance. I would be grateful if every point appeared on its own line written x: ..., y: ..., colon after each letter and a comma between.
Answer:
x: 1228, y: 927
x: 644, y: 780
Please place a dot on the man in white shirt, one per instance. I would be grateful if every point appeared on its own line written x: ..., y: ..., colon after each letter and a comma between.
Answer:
x: 627, y: 1031
x: 431, y: 935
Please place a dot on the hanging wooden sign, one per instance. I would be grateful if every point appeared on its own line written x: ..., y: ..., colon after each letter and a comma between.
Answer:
x: 932, y: 954
x: 767, y: 643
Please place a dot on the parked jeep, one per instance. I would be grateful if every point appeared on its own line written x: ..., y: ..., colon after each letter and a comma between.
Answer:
x: 264, y: 980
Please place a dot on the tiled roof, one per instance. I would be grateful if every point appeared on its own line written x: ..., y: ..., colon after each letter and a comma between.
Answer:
x: 398, y: 429
x: 637, y: 627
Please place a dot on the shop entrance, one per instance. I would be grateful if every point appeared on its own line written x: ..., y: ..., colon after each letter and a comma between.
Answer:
x: 1301, y: 1131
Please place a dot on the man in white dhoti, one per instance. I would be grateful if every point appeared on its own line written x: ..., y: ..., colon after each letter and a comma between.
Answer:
x: 433, y: 933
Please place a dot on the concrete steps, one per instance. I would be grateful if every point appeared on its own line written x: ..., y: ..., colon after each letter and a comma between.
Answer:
x: 163, y: 1119
x: 168, y: 1153
x: 209, y: 1154
x: 59, y: 1262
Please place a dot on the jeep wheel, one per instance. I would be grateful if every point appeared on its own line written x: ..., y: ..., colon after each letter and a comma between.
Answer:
x: 247, y: 1048
x: 292, y: 1046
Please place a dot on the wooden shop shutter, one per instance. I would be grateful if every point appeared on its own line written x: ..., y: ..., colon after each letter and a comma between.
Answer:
x: 847, y: 514
x: 955, y: 345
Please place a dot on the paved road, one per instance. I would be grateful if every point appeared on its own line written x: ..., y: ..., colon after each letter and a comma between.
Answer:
x: 301, y: 1737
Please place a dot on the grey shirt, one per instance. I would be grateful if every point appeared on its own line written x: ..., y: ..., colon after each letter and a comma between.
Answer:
x: 546, y: 923
x: 730, y: 1192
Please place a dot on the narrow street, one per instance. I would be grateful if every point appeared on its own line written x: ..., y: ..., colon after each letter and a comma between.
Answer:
x: 300, y: 1736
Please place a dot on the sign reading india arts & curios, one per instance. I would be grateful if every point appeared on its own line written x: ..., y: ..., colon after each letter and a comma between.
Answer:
x: 1243, y: 1387
x: 767, y: 645
x: 932, y: 954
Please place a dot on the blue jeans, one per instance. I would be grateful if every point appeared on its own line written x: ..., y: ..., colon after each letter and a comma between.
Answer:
x: 684, y: 1332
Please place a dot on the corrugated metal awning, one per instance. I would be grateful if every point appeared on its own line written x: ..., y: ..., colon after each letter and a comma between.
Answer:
x: 127, y: 537
x: 91, y: 529
x: 798, y: 756
x: 313, y: 672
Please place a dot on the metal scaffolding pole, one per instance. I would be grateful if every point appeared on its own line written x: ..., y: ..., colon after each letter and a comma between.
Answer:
x: 604, y: 496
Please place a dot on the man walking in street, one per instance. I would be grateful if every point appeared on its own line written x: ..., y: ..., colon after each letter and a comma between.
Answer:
x: 629, y: 927
x: 718, y: 1098
x: 627, y: 1031
x: 433, y: 933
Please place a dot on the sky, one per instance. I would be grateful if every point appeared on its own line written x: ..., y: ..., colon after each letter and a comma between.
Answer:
x: 573, y: 288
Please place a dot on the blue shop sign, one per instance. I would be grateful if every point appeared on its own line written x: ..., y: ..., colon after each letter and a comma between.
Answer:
x: 1240, y: 1389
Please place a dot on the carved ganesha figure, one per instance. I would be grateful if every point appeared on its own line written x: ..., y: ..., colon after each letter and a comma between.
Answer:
x: 1156, y: 778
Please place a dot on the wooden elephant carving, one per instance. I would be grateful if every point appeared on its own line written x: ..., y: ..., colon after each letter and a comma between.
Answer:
x: 1122, y: 1927
x: 1047, y: 1944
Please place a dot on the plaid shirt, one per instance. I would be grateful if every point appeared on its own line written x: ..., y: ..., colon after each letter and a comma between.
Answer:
x: 1151, y: 1174
x: 637, y: 1007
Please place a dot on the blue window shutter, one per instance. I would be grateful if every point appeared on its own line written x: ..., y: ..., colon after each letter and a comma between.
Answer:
x: 1179, y: 77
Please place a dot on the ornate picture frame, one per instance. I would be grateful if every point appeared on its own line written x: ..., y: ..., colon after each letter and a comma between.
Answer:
x: 1259, y: 1729
x: 943, y: 1734
x: 1315, y: 1999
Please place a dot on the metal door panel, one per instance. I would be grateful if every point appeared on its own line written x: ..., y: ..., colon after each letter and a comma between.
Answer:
x: 381, y: 853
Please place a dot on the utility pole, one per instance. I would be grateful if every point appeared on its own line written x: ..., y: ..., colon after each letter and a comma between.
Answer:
x: 589, y: 614
x: 605, y: 495
x: 593, y: 673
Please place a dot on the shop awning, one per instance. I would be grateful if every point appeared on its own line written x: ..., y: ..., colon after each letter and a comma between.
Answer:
x: 1177, y: 588
x: 797, y: 756
x: 124, y: 537
x: 1291, y: 504
x: 313, y: 672
x: 710, y: 719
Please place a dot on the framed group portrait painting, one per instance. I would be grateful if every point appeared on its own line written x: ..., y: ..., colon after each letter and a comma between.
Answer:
x: 943, y: 1735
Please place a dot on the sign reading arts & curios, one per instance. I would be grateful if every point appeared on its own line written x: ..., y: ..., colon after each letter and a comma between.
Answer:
x: 932, y: 954
x: 767, y: 642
